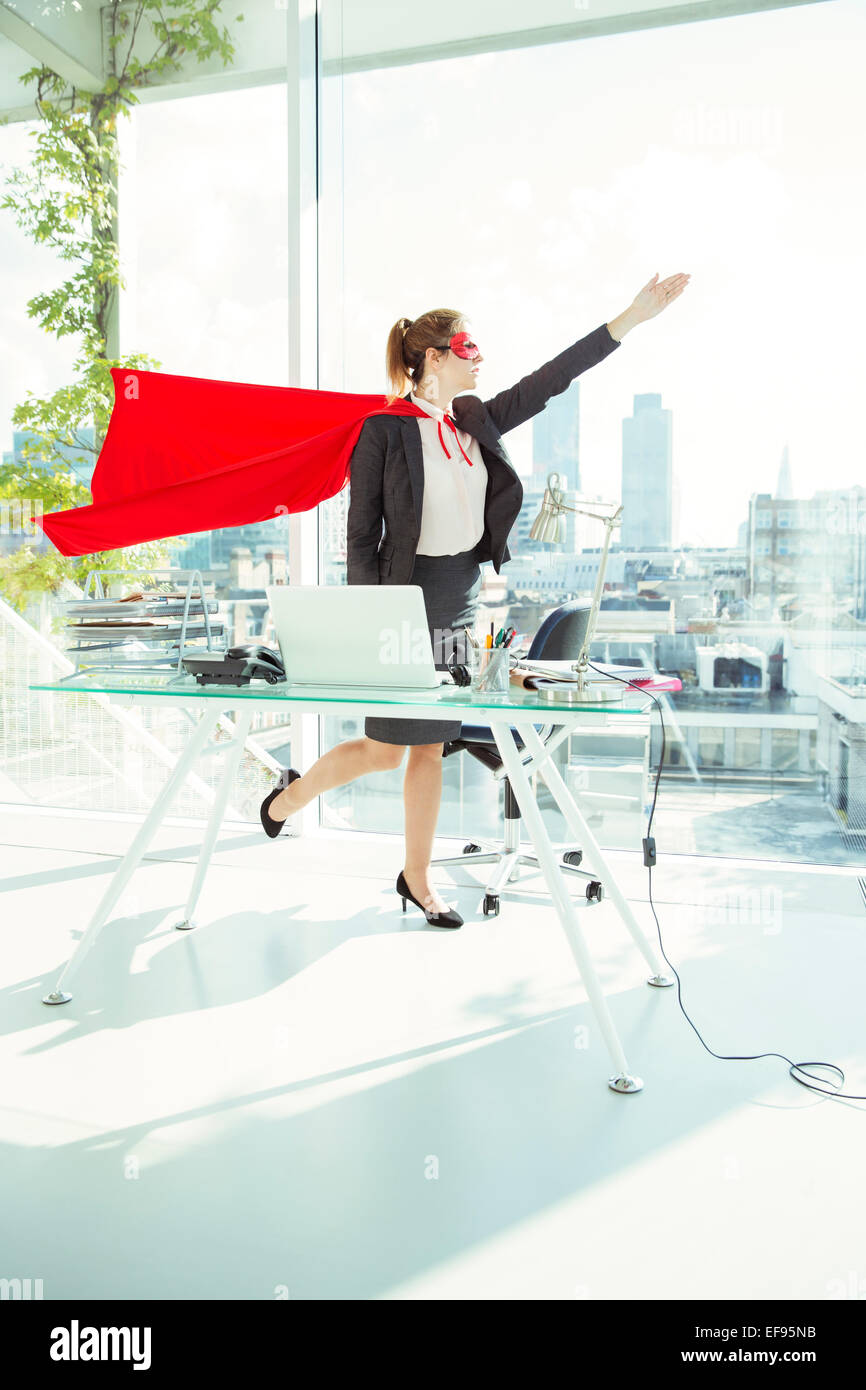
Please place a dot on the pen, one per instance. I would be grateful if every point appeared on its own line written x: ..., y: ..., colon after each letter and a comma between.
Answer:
x: 492, y: 631
x: 499, y: 636
x: 512, y: 633
x: 471, y: 636
x: 488, y: 641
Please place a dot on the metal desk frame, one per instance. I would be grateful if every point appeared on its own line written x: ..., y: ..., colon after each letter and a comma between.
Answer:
x: 517, y: 709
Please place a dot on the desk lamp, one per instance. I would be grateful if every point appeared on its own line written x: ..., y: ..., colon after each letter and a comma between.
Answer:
x: 547, y: 528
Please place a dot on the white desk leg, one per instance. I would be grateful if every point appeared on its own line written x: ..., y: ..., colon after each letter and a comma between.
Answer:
x: 602, y: 870
x: 127, y: 866
x: 623, y: 1081
x: 234, y: 751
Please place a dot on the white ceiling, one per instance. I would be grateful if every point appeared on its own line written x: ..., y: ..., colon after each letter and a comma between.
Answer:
x: 357, y: 34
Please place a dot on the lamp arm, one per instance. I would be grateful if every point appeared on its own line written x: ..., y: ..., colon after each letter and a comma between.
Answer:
x: 582, y: 663
x: 552, y: 506
x: 597, y: 516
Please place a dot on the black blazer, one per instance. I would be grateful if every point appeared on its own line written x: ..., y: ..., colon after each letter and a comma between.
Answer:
x: 386, y: 478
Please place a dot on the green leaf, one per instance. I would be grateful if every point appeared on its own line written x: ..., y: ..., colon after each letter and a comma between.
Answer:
x: 63, y: 199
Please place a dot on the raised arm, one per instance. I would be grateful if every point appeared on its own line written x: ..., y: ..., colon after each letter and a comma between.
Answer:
x: 364, y: 522
x: 517, y: 404
x: 530, y: 395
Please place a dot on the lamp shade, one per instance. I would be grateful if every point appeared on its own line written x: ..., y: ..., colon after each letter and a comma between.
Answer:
x: 547, y: 526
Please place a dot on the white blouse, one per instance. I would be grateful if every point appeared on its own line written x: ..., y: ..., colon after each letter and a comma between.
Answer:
x: 455, y: 485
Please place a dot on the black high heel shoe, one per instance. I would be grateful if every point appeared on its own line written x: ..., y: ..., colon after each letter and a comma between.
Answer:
x: 273, y: 827
x: 436, y: 919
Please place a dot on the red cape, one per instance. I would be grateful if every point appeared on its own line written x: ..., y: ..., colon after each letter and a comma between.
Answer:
x: 185, y: 453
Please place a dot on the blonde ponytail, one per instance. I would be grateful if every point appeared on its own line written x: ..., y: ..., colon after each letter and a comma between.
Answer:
x: 408, y: 341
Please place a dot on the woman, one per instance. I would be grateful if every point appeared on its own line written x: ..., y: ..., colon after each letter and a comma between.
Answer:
x: 445, y: 489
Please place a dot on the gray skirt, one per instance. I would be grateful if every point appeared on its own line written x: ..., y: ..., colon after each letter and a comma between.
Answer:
x: 451, y: 585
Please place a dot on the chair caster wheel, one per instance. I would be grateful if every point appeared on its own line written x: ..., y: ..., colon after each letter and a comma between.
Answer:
x: 471, y: 849
x: 574, y: 856
x: 490, y: 906
x: 594, y: 891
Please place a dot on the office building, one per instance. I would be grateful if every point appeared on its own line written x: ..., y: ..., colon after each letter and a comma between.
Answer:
x: 647, y: 475
x: 556, y: 438
x: 784, y: 482
x: 212, y: 550
x: 808, y: 555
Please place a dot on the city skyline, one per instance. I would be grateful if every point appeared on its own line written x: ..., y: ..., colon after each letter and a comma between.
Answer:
x: 639, y: 537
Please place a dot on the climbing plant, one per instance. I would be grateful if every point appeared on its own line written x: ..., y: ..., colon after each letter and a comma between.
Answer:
x: 65, y: 198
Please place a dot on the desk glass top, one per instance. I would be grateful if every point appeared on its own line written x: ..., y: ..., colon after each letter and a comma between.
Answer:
x: 446, y: 699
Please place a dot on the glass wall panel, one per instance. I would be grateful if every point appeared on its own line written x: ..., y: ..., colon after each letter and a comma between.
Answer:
x: 711, y: 743
x: 747, y: 748
x: 785, y: 750
x: 204, y: 238
x: 536, y: 189
x: 203, y: 227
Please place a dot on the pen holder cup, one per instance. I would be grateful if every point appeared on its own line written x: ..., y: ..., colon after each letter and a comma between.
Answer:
x: 490, y: 667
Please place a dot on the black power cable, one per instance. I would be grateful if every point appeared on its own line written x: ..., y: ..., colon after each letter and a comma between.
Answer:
x: 815, y: 1083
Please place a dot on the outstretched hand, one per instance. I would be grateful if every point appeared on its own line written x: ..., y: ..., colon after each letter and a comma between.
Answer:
x: 657, y: 295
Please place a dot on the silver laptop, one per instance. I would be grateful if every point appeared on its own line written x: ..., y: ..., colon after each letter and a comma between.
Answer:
x: 369, y: 635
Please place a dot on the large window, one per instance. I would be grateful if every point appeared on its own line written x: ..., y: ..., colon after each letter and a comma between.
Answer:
x: 203, y: 229
x: 536, y: 189
x: 465, y: 160
x: 203, y: 237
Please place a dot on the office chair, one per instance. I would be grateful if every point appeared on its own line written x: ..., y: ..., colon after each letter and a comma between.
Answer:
x: 559, y: 638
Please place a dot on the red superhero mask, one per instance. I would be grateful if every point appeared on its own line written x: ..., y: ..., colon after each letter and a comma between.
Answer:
x: 462, y: 346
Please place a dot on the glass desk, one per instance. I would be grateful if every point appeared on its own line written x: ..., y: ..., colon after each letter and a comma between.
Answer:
x: 517, y: 708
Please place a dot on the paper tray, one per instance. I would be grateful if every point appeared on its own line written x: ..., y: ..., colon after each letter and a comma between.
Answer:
x: 143, y: 631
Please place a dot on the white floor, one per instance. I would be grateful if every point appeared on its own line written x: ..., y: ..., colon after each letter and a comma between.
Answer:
x: 313, y: 1096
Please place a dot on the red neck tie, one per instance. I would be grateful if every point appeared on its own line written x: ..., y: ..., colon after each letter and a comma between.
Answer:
x: 451, y: 424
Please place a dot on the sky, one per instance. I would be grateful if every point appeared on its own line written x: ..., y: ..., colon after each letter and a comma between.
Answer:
x: 536, y: 191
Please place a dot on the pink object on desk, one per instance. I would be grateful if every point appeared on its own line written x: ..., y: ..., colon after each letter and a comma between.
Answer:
x: 658, y: 683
